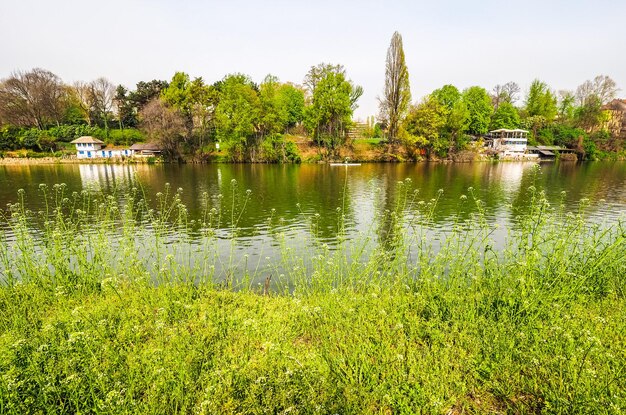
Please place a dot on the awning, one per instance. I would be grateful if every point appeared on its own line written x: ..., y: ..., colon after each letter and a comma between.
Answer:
x: 546, y: 153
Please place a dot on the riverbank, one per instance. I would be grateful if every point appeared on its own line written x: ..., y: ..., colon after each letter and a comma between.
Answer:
x: 16, y: 161
x: 534, y: 327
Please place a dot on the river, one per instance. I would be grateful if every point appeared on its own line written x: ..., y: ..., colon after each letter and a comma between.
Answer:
x: 290, y: 198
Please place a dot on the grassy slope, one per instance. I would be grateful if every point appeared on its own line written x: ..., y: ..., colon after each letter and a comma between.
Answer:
x: 398, y: 349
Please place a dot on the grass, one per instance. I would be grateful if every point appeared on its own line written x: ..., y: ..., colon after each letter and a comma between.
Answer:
x: 90, y: 325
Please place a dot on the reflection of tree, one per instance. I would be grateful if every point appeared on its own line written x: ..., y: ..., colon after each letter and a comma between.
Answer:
x: 595, y: 181
x: 390, y: 203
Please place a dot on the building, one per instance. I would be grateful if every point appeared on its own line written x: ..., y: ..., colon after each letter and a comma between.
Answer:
x: 508, y: 143
x: 90, y: 147
x: 146, y: 149
x: 87, y: 146
x: 616, y: 122
x: 550, y: 152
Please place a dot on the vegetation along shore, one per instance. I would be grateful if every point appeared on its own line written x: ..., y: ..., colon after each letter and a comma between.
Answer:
x: 236, y: 119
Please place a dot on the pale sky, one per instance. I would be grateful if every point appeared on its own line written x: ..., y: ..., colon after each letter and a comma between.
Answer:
x: 463, y: 43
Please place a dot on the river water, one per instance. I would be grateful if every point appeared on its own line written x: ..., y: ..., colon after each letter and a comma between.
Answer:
x: 292, y: 197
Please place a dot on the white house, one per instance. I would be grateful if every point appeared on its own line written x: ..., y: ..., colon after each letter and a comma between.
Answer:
x: 91, y: 147
x: 509, y: 143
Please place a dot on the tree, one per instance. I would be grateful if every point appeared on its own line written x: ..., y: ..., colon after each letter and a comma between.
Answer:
x: 602, y: 89
x: 33, y: 98
x: 541, y: 101
x: 566, y: 105
x: 84, y: 99
x: 318, y: 72
x: 505, y: 116
x: 273, y: 118
x: 291, y: 101
x: 102, y: 96
x: 333, y: 99
x: 447, y: 95
x: 424, y: 124
x: 397, y: 94
x: 478, y: 104
x: 146, y: 92
x: 237, y: 115
x: 163, y: 125
x: 505, y: 93
x: 125, y: 109
x: 457, y: 114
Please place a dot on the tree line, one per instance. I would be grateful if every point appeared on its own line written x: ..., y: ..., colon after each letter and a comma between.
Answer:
x: 185, y: 116
x: 443, y: 122
x: 189, y: 118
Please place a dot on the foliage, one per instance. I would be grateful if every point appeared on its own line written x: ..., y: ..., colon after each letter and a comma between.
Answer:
x: 505, y: 116
x: 397, y: 94
x: 237, y: 114
x: 333, y: 99
x: 447, y: 95
x: 561, y: 135
x: 423, y: 127
x: 457, y: 115
x: 478, y: 104
x: 276, y: 149
x: 541, y: 101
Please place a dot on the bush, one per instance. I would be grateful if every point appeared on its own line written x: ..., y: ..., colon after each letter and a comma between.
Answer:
x: 275, y: 149
x: 125, y: 137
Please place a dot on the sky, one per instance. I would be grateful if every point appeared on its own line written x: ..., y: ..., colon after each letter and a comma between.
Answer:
x: 457, y: 42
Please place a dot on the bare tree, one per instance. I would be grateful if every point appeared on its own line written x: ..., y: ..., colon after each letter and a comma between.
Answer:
x: 102, y: 98
x: 33, y: 98
x: 164, y: 125
x: 397, y: 95
x: 505, y: 93
x: 84, y: 98
x: 602, y: 89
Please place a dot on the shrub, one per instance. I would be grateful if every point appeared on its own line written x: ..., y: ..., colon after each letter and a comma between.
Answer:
x: 275, y: 149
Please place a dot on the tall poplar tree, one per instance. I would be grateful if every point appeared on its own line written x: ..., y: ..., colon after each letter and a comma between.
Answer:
x: 397, y: 95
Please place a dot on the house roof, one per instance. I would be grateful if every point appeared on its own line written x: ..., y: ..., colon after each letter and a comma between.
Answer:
x: 87, y: 139
x: 615, y: 105
x: 145, y: 147
x: 504, y: 130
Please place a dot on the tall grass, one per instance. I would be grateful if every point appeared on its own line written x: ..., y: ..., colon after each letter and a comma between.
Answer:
x: 109, y: 305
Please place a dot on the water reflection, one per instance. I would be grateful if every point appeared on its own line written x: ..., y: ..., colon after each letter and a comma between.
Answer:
x: 315, y: 202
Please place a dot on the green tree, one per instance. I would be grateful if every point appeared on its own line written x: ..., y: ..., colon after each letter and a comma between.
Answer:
x: 566, y: 106
x: 238, y: 115
x: 423, y: 126
x: 457, y: 114
x: 146, y: 92
x: 191, y: 99
x: 397, y: 94
x: 478, y: 104
x: 125, y: 110
x: 291, y: 101
x: 333, y: 99
x: 506, y: 116
x: 447, y: 95
x: 541, y: 101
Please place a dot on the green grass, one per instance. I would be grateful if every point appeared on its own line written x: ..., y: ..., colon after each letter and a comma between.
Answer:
x: 537, y: 327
